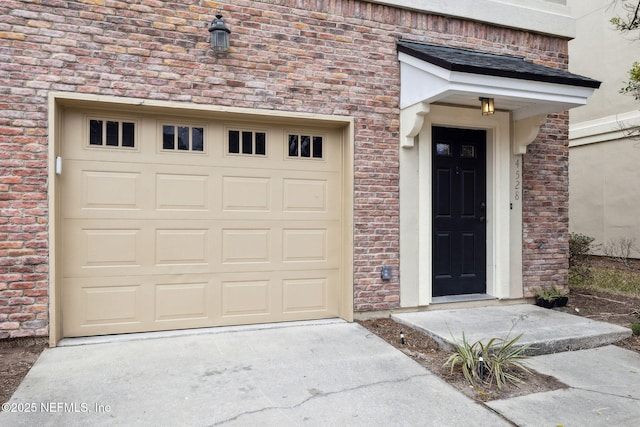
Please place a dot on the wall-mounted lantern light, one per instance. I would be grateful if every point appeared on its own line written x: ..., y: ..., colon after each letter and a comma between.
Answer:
x: 219, y: 35
x: 487, y: 106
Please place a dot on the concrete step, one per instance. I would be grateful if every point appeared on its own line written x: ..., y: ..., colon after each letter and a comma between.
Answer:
x: 546, y: 331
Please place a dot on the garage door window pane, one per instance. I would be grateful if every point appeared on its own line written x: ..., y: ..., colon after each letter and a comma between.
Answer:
x: 317, y: 147
x: 305, y: 146
x: 293, y: 145
x: 128, y: 138
x: 234, y: 141
x: 183, y: 138
x: 197, y: 139
x: 168, y: 137
x: 95, y: 132
x: 261, y: 143
x: 247, y: 142
x: 112, y: 133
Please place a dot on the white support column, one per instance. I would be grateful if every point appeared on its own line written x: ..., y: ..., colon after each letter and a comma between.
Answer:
x: 425, y: 216
x: 409, y: 224
x: 515, y: 226
x: 525, y: 132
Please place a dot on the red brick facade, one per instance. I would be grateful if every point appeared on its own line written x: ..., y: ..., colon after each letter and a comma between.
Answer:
x: 339, y: 58
x: 545, y: 207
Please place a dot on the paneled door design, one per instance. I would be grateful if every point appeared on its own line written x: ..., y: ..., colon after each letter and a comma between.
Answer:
x: 459, y: 211
x: 173, y: 223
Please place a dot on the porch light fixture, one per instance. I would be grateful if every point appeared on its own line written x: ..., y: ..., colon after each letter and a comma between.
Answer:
x: 487, y: 107
x: 219, y: 34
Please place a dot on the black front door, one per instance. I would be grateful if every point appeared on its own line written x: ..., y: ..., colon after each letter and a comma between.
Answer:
x: 459, y: 211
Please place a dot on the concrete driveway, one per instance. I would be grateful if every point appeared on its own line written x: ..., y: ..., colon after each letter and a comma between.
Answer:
x: 307, y: 373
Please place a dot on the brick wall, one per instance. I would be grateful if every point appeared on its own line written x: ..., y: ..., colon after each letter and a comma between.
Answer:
x: 338, y: 58
x: 546, y: 207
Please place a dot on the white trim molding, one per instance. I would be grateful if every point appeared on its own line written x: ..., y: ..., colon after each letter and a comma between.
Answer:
x: 541, y: 16
x: 605, y: 129
x: 422, y: 81
x: 416, y: 220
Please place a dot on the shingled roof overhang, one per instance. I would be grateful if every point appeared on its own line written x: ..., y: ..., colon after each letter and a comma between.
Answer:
x: 459, y: 77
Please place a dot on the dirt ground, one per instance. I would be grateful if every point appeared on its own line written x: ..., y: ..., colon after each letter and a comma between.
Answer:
x: 18, y: 355
x: 609, y: 308
x: 16, y: 358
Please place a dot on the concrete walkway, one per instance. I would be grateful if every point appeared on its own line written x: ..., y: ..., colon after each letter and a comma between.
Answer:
x: 604, y: 382
x: 321, y: 373
x: 546, y: 331
x: 604, y: 390
x: 313, y: 374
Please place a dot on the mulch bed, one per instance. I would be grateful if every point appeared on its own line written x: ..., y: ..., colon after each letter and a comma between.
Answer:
x: 427, y: 353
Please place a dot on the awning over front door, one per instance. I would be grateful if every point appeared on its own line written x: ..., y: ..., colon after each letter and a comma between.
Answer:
x: 438, y: 74
x: 459, y: 76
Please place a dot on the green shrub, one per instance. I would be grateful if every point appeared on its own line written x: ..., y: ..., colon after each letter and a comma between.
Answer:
x: 493, y: 362
x: 579, y: 275
x: 635, y: 326
x: 501, y: 357
x: 468, y: 357
x: 580, y: 247
x: 549, y: 294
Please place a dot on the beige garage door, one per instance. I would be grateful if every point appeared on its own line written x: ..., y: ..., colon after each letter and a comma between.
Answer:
x: 170, y: 223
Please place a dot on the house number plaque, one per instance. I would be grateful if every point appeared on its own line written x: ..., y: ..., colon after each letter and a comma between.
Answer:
x: 517, y: 179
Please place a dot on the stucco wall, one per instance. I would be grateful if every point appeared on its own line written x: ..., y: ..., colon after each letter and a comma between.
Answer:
x: 605, y: 192
x: 604, y: 195
x: 339, y: 58
x: 600, y: 52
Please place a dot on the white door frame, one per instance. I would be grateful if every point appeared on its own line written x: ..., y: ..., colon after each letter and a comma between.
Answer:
x: 416, y: 222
